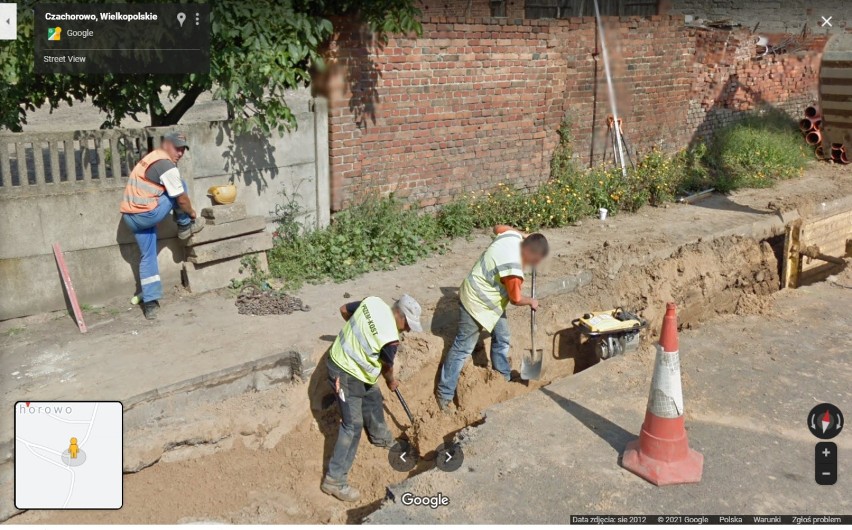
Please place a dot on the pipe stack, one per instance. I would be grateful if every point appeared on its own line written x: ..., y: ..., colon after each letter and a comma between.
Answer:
x: 811, y: 127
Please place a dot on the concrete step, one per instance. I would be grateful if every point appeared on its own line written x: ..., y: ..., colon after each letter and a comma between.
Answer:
x: 229, y: 248
x: 205, y: 277
x: 224, y: 213
x: 218, y: 232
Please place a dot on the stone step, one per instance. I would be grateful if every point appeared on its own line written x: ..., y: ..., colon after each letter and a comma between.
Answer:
x: 217, y: 232
x: 229, y: 248
x: 224, y: 213
x: 203, y: 277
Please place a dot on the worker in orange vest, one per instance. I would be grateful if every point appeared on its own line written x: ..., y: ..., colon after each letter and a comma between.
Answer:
x: 154, y: 189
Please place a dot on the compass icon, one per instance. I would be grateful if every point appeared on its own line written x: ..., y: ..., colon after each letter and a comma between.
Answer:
x: 825, y: 421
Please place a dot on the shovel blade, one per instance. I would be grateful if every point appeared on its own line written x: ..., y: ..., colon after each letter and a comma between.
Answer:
x: 531, y: 365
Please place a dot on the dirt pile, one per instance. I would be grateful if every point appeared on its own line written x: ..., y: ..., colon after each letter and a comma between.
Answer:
x: 281, y: 484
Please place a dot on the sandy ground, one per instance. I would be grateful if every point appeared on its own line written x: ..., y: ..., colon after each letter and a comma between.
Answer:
x: 269, y: 472
x: 749, y: 383
x: 264, y: 477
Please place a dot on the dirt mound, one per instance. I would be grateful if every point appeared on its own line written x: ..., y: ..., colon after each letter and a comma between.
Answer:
x: 281, y: 484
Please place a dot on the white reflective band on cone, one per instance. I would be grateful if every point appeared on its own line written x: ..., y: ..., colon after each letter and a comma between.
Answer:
x: 666, y: 399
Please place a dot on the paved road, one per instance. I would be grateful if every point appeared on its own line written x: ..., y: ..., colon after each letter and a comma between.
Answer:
x: 749, y: 383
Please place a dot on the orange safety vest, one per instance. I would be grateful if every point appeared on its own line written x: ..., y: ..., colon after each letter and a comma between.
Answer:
x: 140, y: 194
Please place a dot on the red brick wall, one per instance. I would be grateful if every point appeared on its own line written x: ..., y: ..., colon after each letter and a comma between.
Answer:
x: 474, y: 102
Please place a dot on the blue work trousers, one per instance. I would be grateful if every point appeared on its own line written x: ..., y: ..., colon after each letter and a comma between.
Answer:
x: 144, y: 227
x: 462, y: 348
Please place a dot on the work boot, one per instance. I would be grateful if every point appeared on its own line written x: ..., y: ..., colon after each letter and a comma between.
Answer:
x: 150, y: 309
x: 443, y: 404
x: 187, y: 231
x: 340, y: 491
x: 386, y: 444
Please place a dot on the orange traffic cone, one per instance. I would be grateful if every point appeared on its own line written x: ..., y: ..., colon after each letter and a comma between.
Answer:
x: 662, y: 455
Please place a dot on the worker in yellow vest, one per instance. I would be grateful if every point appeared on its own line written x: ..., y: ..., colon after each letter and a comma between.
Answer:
x: 155, y: 188
x: 364, y: 349
x: 494, y: 282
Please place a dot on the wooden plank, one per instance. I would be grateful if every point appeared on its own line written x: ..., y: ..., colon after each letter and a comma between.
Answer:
x: 69, y: 287
x: 836, y: 73
x: 792, y: 258
x: 830, y: 235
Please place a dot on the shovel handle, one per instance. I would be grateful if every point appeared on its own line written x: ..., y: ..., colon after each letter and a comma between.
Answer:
x: 404, y: 406
x: 532, y: 314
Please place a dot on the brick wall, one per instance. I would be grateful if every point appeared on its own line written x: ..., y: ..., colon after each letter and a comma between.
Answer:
x: 728, y: 81
x: 474, y: 102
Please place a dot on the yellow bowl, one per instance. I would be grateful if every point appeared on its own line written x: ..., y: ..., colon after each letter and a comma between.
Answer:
x: 223, y: 194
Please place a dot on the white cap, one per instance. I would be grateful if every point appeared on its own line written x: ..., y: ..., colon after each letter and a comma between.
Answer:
x: 411, y: 310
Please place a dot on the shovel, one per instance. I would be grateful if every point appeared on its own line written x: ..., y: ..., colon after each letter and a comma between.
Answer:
x: 531, y: 362
x: 405, y: 406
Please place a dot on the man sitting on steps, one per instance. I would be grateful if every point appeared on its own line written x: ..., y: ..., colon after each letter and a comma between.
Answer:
x: 365, y: 348
x: 154, y: 189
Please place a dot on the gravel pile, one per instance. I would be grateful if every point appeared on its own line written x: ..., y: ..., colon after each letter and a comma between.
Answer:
x: 253, y: 301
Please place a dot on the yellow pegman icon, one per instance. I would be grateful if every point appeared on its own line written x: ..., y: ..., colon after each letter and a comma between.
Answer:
x: 72, y: 449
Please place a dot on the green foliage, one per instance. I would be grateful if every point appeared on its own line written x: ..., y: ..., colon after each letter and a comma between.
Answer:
x: 255, y: 276
x: 381, y: 233
x: 377, y: 234
x: 258, y: 50
x: 756, y: 152
x: 456, y: 219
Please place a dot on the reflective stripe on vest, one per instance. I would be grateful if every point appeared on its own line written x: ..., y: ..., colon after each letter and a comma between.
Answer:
x: 140, y: 194
x: 482, y: 293
x: 356, y: 349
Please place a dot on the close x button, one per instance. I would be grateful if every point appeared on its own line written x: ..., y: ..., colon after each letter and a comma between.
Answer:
x: 825, y: 463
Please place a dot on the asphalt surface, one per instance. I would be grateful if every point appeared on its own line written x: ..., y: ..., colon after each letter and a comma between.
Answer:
x: 749, y: 383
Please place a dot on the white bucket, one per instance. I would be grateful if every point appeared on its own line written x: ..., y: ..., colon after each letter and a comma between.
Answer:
x: 602, y: 213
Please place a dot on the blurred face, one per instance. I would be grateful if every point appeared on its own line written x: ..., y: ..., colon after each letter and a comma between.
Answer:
x: 401, y: 321
x: 175, y: 153
x: 531, y: 258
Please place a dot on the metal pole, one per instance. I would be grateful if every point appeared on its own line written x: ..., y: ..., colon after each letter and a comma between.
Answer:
x: 611, y: 91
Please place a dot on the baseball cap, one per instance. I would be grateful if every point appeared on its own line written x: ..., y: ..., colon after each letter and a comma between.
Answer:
x: 411, y: 309
x: 177, y: 139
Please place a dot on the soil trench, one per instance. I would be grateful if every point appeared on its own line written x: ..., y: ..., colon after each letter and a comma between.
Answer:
x: 241, y: 484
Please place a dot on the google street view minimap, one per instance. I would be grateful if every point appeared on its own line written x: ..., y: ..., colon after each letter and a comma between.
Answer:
x: 68, y: 455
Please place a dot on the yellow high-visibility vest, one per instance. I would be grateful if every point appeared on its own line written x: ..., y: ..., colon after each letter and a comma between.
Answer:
x: 356, y: 349
x: 482, y: 293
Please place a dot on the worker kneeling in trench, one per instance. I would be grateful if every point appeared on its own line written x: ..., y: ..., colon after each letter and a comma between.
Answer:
x: 364, y: 349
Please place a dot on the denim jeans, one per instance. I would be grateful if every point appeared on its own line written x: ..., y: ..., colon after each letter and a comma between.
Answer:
x: 361, y: 409
x: 144, y: 228
x: 462, y: 348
